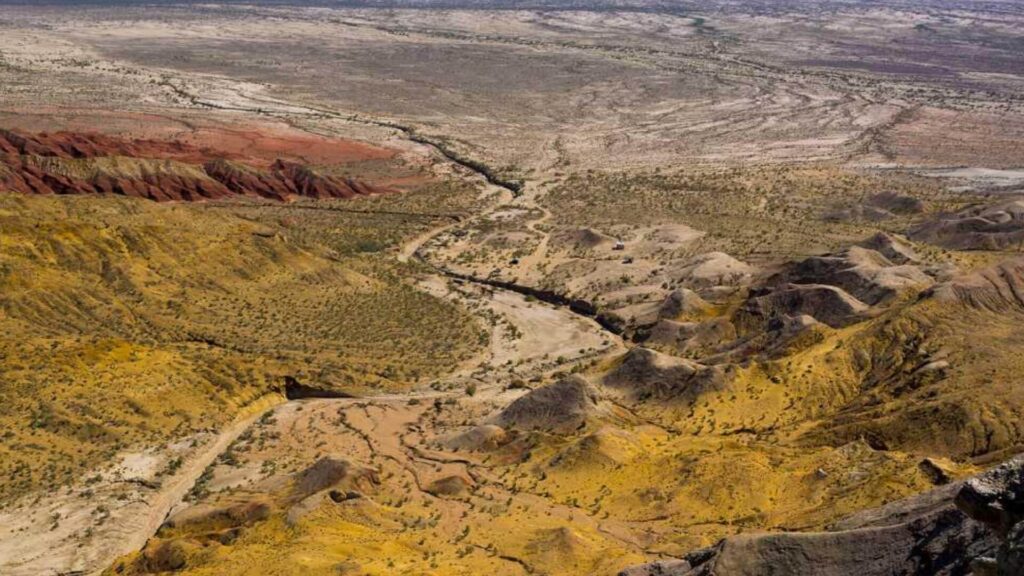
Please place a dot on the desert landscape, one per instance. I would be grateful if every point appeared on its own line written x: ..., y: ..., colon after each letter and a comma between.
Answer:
x: 623, y: 287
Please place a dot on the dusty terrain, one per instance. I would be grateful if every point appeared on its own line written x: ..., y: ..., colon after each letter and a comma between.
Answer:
x: 292, y: 289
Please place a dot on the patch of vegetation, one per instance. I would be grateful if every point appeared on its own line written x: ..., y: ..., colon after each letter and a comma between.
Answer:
x: 128, y: 323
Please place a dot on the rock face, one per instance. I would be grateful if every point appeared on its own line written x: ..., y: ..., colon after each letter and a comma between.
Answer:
x: 645, y: 373
x: 975, y: 526
x: 66, y: 163
x: 560, y: 407
x: 996, y: 499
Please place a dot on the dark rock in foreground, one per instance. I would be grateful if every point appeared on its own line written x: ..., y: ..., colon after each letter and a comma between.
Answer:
x: 970, y: 527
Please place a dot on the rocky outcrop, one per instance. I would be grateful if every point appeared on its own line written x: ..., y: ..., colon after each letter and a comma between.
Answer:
x: 996, y: 499
x: 560, y: 407
x: 659, y: 568
x: 67, y: 163
x: 151, y: 179
x: 644, y: 373
x: 975, y: 526
x: 74, y: 145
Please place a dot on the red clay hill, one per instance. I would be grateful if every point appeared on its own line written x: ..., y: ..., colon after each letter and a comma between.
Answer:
x: 78, y: 163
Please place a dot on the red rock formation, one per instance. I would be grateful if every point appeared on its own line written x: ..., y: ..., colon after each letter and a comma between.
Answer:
x: 154, y: 178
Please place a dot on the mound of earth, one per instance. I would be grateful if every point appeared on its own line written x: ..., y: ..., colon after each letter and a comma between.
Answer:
x: 484, y: 437
x: 161, y: 556
x: 644, y: 373
x: 683, y: 303
x: 995, y: 227
x: 635, y: 319
x: 453, y: 485
x: 896, y: 203
x: 782, y: 335
x: 67, y: 163
x: 997, y: 288
x: 861, y: 272
x: 974, y: 526
x: 712, y: 269
x: 563, y: 547
x: 581, y: 239
x: 563, y: 406
x: 210, y: 517
x: 858, y: 213
x: 608, y: 447
x: 828, y: 304
x: 330, y: 473
x: 876, y: 208
x: 693, y: 339
x: 896, y: 249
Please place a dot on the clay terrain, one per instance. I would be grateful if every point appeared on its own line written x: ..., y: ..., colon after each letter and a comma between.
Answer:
x: 624, y: 288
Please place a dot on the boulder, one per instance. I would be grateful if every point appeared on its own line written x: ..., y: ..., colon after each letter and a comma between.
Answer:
x: 925, y: 535
x: 996, y: 498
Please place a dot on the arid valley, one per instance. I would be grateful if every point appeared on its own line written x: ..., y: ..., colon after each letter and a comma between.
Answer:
x: 552, y: 287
